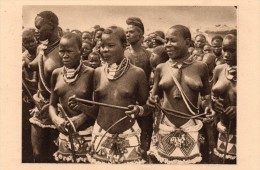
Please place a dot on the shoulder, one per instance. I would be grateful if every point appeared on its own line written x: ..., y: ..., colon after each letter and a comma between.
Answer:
x: 57, y: 71
x: 161, y: 66
x: 136, y: 70
x: 220, y: 67
x: 87, y: 69
x: 55, y: 53
x: 147, y: 52
x: 209, y: 57
x: 199, y: 64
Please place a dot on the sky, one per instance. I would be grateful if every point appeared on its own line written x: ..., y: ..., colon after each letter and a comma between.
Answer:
x: 153, y: 17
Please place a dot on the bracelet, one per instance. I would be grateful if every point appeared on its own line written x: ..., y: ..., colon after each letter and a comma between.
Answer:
x: 141, y: 112
x: 206, y: 97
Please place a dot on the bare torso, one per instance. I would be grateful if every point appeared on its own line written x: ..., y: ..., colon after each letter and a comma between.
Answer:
x: 192, y: 83
x: 224, y: 88
x: 50, y: 62
x: 82, y: 88
x: 127, y: 90
x: 140, y: 59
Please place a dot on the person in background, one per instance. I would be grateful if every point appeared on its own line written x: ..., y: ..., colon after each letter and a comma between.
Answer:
x: 78, y: 32
x: 158, y: 38
x: 140, y: 57
x: 43, y: 131
x: 29, y: 80
x: 224, y: 94
x: 216, y: 43
x: 94, y: 59
x: 86, y: 49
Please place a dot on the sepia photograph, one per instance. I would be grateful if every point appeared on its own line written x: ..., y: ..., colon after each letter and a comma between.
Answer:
x: 129, y: 85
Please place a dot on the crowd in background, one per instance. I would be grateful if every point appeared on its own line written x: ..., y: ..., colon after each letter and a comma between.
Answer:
x: 173, y: 84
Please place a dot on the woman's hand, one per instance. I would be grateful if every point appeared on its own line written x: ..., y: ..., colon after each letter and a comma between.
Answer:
x: 60, y: 124
x: 218, y: 105
x: 134, y: 111
x: 231, y: 111
x: 152, y: 101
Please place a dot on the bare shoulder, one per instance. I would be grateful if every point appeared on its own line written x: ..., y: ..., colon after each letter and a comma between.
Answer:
x: 136, y: 70
x: 209, y: 57
x: 161, y: 66
x: 87, y: 69
x: 200, y: 64
x: 57, y: 71
x: 220, y: 67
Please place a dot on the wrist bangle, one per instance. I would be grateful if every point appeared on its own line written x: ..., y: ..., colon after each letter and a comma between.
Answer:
x: 141, y: 112
x: 206, y: 97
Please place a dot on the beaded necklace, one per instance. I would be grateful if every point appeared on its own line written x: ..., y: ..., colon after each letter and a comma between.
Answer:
x: 114, y: 71
x: 71, y: 75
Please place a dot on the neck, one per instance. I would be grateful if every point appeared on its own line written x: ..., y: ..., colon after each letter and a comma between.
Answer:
x: 136, y: 47
x: 74, y: 67
x: 119, y: 60
x: 53, y: 38
x: 180, y: 60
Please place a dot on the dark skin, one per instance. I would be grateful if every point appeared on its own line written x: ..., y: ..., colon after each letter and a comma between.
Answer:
x: 94, y: 61
x: 62, y: 91
x: 30, y: 45
x: 200, y: 41
x: 134, y: 37
x: 194, y: 79
x: 126, y: 91
x: 45, y: 30
x: 224, y: 89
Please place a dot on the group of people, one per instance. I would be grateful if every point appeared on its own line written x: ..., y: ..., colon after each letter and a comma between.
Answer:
x: 113, y: 95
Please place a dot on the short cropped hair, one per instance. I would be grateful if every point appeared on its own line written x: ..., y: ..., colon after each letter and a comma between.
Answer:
x: 50, y: 17
x: 78, y: 39
x: 183, y: 30
x: 136, y: 22
x: 118, y: 31
x: 161, y: 52
x: 95, y: 53
x: 200, y: 35
x: 231, y: 37
x: 160, y: 34
x: 217, y: 37
x: 99, y: 29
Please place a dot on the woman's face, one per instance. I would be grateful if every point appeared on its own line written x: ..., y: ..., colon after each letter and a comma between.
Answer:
x: 86, y: 50
x: 111, y: 48
x: 44, y: 29
x: 70, y: 52
x: 217, y: 47
x: 176, y: 46
x: 199, y: 42
x: 30, y: 42
x: 230, y: 52
x: 94, y: 61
